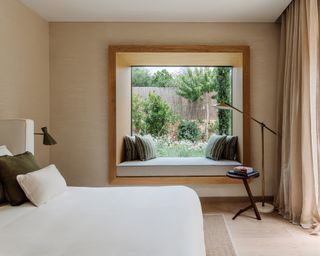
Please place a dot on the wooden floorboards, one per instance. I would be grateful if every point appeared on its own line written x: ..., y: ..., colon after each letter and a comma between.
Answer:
x: 271, y: 236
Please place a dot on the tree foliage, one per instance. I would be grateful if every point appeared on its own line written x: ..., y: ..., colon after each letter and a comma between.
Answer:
x: 223, y: 88
x: 198, y: 84
x: 205, y: 83
x: 195, y: 82
x: 162, y: 78
x: 151, y: 115
x: 138, y: 114
x: 159, y: 115
x: 141, y: 77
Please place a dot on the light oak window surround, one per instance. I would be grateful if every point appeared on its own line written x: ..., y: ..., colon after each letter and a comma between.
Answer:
x: 120, y: 60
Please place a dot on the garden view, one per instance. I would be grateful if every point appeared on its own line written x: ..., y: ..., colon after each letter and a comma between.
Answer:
x: 175, y: 105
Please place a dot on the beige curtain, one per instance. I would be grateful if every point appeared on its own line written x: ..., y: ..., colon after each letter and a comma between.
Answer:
x: 299, y: 114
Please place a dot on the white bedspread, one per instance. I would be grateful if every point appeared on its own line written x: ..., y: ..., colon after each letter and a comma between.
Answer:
x: 130, y: 221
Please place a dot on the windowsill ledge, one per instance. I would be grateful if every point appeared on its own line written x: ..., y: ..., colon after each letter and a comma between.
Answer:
x: 175, y: 166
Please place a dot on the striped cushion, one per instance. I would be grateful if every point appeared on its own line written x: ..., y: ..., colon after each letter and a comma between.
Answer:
x: 130, y: 146
x: 145, y: 147
x: 215, y: 147
x: 230, y: 150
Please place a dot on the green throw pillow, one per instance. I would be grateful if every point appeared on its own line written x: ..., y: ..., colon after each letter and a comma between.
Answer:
x: 230, y: 150
x: 10, y: 167
x: 145, y: 147
x: 130, y: 148
x: 215, y: 147
x: 2, y: 195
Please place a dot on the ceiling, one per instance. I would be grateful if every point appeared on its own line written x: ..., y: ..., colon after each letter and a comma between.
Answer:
x: 159, y: 11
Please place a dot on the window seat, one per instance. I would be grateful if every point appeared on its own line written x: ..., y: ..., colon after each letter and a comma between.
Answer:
x: 175, y: 166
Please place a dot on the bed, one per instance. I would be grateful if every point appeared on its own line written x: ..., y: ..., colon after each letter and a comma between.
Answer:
x: 113, y: 221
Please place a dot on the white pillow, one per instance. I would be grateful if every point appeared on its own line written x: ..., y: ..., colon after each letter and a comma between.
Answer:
x: 42, y: 185
x: 4, y: 151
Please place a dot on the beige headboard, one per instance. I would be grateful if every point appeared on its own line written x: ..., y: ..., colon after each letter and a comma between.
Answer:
x: 17, y: 135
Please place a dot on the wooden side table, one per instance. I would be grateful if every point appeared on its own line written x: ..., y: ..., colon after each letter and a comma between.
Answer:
x: 245, y: 183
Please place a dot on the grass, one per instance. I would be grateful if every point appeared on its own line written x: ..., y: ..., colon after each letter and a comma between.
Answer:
x: 166, y: 147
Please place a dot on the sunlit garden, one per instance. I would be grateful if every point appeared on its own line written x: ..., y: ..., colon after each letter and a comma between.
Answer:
x: 175, y: 105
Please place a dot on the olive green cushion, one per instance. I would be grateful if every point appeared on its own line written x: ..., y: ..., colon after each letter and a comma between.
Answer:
x: 10, y: 167
x: 215, y: 147
x: 130, y: 148
x: 2, y: 196
x: 230, y: 150
x: 145, y: 147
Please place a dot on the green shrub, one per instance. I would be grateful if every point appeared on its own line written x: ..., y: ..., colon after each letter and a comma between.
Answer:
x: 188, y: 130
x: 214, y: 127
x: 138, y: 115
x: 158, y: 115
x: 223, y: 87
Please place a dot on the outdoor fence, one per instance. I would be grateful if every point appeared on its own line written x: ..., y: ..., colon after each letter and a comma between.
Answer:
x: 187, y: 110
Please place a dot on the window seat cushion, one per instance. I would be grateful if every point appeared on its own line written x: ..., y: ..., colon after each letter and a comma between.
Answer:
x: 176, y: 166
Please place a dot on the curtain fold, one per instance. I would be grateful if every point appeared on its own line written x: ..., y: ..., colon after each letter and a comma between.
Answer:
x: 299, y: 114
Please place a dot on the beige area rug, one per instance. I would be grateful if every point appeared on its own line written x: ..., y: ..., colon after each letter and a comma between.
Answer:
x: 217, y: 237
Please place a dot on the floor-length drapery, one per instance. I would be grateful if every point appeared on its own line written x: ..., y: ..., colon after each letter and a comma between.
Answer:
x: 299, y: 114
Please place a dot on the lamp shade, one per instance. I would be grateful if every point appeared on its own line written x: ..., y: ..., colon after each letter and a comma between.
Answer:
x: 47, y: 138
x: 222, y: 105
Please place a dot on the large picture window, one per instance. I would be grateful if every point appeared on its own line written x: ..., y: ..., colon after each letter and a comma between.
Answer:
x: 169, y: 92
x: 175, y: 105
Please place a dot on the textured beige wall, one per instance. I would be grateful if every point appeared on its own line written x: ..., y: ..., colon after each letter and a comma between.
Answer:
x: 24, y: 68
x: 78, y: 89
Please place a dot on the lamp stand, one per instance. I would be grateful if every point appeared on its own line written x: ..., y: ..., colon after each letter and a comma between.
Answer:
x: 263, y: 206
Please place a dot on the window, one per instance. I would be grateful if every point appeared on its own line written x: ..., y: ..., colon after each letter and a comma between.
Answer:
x: 175, y: 105
x: 121, y: 59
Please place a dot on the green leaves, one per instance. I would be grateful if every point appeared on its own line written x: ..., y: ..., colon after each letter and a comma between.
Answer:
x: 206, y: 84
x: 188, y: 130
x: 158, y: 115
x: 223, y: 88
x: 138, y: 114
x: 194, y: 82
x: 162, y: 78
x: 152, y: 115
x: 142, y: 77
x: 197, y: 83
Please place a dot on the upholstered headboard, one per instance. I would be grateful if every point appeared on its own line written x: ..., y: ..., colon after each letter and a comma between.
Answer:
x: 17, y: 135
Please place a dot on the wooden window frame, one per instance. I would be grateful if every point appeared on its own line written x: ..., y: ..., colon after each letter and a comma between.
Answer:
x: 112, y: 165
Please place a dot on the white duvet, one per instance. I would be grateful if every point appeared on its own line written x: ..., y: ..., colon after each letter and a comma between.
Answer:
x: 131, y: 221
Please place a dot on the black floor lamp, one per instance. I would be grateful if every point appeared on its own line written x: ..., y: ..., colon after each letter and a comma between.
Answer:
x: 262, y: 206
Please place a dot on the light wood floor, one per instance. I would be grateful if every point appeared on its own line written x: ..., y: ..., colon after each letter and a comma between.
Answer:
x: 271, y: 236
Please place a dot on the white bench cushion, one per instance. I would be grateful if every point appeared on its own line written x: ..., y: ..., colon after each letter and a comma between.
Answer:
x: 176, y: 166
